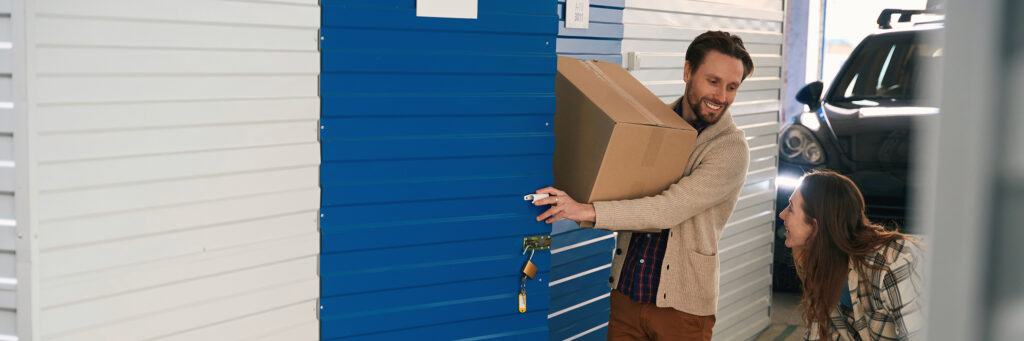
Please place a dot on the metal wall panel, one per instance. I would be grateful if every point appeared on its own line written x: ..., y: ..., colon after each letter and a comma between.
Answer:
x: 8, y: 235
x: 602, y: 40
x: 432, y: 130
x: 174, y: 162
x: 655, y: 38
x: 581, y: 258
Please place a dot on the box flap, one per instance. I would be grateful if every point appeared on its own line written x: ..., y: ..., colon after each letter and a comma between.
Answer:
x: 619, y: 95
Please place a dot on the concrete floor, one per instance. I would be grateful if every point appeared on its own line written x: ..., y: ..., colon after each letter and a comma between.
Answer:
x: 786, y: 322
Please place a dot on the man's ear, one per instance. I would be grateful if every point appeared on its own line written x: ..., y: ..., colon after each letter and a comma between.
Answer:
x: 686, y: 72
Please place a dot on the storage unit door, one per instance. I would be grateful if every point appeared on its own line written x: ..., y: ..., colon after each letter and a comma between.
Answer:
x: 8, y: 235
x: 174, y: 162
x: 655, y: 38
x: 581, y: 258
x: 432, y: 131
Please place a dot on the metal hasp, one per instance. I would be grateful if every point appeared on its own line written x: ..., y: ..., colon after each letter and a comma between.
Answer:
x: 537, y: 243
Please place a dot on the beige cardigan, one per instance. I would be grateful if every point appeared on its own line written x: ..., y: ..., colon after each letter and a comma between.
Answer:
x: 695, y: 210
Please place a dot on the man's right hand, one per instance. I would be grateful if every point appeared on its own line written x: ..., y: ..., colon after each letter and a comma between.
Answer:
x: 563, y: 207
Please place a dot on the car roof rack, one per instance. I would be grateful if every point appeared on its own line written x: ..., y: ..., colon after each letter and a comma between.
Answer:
x: 885, y: 18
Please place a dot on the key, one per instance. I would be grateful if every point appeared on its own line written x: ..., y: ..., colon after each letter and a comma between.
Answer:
x: 522, y: 294
x: 534, y: 197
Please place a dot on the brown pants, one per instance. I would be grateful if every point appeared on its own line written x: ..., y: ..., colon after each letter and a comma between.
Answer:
x: 631, y: 320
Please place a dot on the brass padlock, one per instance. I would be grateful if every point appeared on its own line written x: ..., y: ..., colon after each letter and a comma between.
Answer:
x: 530, y: 270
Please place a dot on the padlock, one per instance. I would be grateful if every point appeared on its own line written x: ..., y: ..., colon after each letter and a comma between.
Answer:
x: 530, y: 269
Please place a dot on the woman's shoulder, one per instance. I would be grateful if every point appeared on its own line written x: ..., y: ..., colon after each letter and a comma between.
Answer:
x: 899, y: 254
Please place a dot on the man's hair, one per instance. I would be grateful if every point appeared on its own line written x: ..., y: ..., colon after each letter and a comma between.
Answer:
x: 723, y: 42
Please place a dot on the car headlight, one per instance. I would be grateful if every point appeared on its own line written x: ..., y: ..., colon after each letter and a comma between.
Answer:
x: 798, y: 145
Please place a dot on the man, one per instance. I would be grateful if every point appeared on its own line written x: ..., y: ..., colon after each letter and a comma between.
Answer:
x: 666, y: 282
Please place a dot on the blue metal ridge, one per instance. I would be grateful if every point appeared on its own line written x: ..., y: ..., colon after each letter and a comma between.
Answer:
x: 419, y: 306
x: 571, y: 237
x: 469, y: 147
x: 431, y: 158
x: 399, y: 19
x: 563, y: 328
x: 418, y: 180
x: 539, y: 7
x: 470, y: 329
x: 446, y: 220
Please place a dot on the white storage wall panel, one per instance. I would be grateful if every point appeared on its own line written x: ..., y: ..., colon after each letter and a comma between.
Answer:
x: 655, y: 38
x: 174, y: 162
x: 8, y: 236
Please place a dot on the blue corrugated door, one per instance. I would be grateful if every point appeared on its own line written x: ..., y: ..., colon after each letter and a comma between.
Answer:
x: 432, y: 130
x: 581, y: 258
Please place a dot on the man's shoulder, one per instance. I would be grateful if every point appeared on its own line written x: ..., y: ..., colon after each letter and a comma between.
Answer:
x: 731, y: 135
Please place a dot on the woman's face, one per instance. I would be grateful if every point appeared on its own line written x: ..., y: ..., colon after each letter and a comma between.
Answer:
x: 797, y: 228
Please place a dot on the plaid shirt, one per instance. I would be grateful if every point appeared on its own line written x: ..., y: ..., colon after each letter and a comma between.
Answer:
x: 892, y: 310
x: 641, y: 270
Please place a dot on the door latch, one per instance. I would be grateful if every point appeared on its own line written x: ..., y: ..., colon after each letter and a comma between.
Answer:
x: 537, y: 243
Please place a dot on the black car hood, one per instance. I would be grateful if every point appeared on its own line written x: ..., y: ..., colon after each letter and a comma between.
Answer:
x: 874, y: 136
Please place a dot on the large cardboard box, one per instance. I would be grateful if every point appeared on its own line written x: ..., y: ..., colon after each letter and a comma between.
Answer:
x: 614, y: 139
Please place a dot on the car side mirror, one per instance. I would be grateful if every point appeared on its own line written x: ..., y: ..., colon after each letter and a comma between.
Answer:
x: 811, y: 95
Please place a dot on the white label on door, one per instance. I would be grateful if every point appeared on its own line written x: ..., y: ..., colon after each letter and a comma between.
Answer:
x: 577, y: 14
x: 461, y: 9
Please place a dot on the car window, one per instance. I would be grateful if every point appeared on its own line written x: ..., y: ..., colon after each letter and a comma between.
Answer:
x: 885, y: 70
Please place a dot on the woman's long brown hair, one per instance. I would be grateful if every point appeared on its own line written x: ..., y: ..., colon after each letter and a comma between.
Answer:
x: 842, y: 233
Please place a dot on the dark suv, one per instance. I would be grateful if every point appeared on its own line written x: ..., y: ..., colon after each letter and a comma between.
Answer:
x: 863, y: 126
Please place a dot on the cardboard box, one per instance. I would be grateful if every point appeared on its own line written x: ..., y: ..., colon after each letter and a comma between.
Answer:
x: 614, y: 139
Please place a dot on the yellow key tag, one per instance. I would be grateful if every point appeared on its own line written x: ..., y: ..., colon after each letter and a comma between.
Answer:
x: 522, y: 302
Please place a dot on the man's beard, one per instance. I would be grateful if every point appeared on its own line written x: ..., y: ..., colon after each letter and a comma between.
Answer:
x: 697, y: 106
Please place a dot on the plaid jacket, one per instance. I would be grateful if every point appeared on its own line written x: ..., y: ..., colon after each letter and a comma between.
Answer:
x: 893, y: 309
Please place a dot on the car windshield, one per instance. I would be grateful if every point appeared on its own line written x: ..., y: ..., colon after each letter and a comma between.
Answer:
x: 884, y: 70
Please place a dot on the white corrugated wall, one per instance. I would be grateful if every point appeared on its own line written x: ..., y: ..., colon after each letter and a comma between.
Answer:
x: 174, y: 169
x: 8, y: 235
x: 655, y: 38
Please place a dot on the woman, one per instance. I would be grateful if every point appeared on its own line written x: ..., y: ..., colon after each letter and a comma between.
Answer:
x: 860, y: 282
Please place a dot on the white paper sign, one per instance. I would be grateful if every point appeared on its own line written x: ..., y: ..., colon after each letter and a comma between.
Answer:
x: 577, y: 14
x: 461, y: 9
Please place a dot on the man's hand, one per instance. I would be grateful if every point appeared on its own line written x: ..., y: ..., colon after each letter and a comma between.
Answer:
x: 563, y: 207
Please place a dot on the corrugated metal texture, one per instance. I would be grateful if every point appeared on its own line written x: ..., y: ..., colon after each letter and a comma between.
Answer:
x: 580, y: 267
x: 655, y: 38
x: 175, y: 165
x: 602, y: 40
x: 8, y: 235
x: 432, y: 130
x: 581, y: 258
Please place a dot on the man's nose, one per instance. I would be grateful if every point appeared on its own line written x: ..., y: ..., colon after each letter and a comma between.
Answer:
x: 719, y: 95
